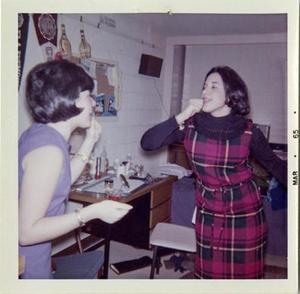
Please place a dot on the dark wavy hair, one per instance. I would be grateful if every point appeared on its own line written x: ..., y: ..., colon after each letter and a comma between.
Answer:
x: 235, y: 89
x: 52, y: 88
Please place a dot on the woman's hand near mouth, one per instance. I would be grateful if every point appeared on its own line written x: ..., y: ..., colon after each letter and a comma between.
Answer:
x: 194, y: 106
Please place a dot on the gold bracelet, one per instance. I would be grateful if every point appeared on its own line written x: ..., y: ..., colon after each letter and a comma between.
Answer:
x: 80, y: 220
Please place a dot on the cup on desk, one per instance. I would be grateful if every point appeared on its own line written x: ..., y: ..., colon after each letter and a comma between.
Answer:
x: 108, y: 185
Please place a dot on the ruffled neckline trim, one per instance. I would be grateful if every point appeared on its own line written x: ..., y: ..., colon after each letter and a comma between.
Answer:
x: 225, y: 127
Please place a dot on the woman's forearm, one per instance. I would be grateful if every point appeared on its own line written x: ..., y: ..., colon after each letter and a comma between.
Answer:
x: 49, y: 228
x: 161, y: 135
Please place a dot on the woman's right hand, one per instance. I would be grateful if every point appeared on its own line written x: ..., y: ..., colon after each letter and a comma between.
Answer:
x: 108, y: 211
x: 194, y: 106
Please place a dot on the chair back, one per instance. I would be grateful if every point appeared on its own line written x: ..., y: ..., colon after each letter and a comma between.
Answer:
x: 265, y: 130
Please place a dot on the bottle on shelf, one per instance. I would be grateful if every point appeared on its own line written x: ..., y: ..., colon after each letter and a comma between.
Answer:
x: 84, y: 47
x: 64, y: 43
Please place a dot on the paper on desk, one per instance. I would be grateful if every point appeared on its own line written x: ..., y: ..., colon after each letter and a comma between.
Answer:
x: 98, y: 186
x: 171, y: 169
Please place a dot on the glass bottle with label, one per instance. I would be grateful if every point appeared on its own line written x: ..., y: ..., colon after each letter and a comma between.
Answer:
x: 64, y: 43
x: 84, y: 46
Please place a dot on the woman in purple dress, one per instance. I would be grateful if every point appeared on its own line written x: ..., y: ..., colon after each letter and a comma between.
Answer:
x: 58, y: 96
x: 230, y: 226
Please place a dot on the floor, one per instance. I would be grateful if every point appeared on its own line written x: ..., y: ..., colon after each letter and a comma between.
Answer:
x: 120, y: 252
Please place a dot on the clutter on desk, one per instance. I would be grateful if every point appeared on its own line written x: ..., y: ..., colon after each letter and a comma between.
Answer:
x: 98, y: 166
x: 111, y: 185
x: 148, y: 178
x: 170, y: 169
x: 113, y: 181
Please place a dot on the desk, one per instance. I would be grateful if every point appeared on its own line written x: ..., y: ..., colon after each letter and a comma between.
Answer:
x: 176, y: 154
x: 151, y: 204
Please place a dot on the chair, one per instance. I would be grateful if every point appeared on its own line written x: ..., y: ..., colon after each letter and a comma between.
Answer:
x: 82, y: 265
x: 265, y: 129
x: 85, y: 265
x: 167, y: 235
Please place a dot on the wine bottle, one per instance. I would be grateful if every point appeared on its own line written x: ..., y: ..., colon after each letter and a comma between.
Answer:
x: 64, y: 43
x: 84, y: 46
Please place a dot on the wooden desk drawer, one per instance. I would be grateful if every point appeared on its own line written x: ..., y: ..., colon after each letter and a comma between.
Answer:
x: 176, y: 154
x: 161, y: 194
x: 160, y: 213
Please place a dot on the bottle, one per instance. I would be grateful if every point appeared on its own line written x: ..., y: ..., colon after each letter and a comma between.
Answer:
x: 104, y: 161
x: 121, y: 170
x: 93, y: 162
x: 108, y: 186
x: 129, y: 159
x: 128, y: 163
x: 64, y: 43
x: 97, y: 172
x: 116, y: 164
x: 84, y: 47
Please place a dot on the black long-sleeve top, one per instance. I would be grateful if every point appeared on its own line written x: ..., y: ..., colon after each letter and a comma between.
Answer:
x: 226, y: 127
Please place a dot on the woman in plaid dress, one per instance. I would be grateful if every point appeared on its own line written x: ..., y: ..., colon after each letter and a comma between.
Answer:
x: 231, y: 229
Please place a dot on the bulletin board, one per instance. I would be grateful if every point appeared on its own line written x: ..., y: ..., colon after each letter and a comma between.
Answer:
x: 107, y: 91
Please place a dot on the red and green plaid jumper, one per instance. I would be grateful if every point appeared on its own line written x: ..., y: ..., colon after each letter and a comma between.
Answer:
x: 231, y: 230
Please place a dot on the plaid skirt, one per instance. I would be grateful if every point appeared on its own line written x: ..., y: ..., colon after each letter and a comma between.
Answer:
x: 231, y: 243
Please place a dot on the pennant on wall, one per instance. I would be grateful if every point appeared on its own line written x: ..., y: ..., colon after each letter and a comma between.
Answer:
x: 46, y: 31
x: 46, y: 28
x: 23, y: 21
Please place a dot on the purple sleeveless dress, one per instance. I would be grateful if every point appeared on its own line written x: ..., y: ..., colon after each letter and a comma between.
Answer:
x: 38, y: 256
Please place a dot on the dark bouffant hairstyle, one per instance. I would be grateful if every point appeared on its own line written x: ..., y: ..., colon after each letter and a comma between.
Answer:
x: 52, y: 88
x: 235, y: 89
